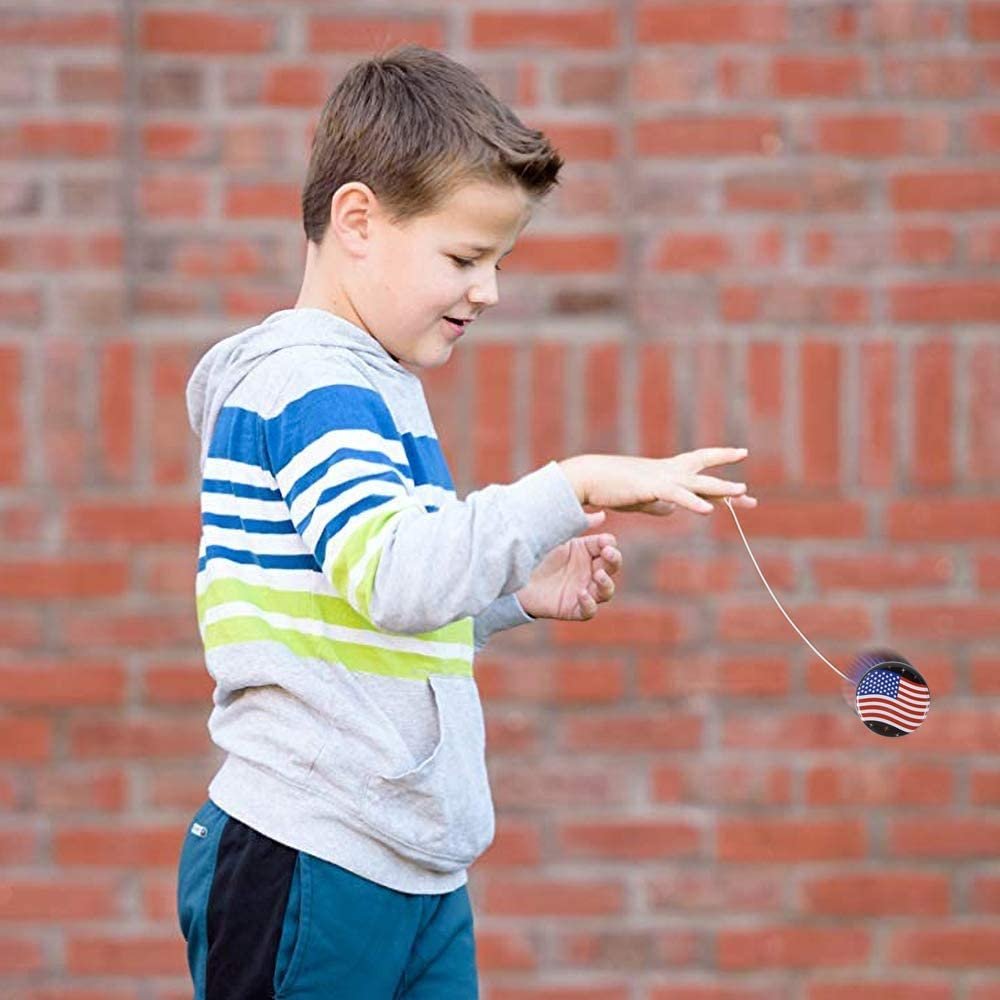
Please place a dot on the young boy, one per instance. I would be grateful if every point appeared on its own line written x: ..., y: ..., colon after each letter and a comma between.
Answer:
x: 343, y: 588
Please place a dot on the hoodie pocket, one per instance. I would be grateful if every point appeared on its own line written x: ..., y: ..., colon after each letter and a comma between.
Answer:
x: 439, y: 813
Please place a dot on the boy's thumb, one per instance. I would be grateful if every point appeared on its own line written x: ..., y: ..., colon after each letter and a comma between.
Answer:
x: 596, y: 519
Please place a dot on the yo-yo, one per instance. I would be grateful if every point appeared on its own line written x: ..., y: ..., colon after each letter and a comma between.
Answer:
x: 886, y: 691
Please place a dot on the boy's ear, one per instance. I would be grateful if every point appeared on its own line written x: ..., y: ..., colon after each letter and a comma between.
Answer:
x: 351, y: 209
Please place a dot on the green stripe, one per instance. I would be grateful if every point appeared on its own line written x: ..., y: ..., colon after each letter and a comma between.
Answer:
x: 313, y: 607
x: 361, y: 659
x: 354, y: 549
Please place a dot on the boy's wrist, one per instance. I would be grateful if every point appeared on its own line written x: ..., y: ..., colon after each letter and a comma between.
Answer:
x: 576, y: 470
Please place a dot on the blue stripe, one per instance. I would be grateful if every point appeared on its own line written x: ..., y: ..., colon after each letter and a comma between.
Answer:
x: 365, y: 503
x: 245, y: 524
x: 239, y: 490
x: 318, y: 471
x: 236, y: 436
x: 334, y: 491
x: 329, y: 408
x: 264, y: 561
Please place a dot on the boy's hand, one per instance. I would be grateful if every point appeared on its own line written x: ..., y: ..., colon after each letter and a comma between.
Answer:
x: 655, y: 485
x: 574, y: 577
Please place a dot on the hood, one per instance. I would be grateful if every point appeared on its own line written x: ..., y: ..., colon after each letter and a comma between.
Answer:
x: 228, y: 362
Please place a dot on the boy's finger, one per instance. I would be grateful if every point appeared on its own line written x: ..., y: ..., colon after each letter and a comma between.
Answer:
x: 707, y: 457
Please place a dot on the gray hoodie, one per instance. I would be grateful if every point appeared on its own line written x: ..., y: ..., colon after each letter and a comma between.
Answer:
x: 342, y: 590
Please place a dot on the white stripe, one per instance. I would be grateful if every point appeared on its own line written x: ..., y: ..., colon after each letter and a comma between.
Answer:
x: 238, y: 472
x: 309, y: 581
x: 233, y: 506
x: 325, y: 445
x: 431, y: 495
x: 261, y: 544
x: 335, y: 476
x: 314, y: 627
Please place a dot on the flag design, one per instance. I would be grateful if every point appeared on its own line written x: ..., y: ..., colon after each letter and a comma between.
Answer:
x: 887, y: 697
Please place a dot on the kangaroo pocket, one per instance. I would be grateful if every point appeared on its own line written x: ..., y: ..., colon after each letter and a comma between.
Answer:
x: 440, y: 812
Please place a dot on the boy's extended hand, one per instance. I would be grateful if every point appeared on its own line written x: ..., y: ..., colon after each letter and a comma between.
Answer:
x: 574, y: 577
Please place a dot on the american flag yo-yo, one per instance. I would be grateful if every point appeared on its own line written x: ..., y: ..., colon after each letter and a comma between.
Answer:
x: 891, y: 697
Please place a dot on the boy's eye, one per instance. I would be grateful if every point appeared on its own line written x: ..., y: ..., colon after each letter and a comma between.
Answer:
x: 463, y: 262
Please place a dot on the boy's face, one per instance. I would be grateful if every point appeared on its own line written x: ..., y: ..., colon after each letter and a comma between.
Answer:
x: 444, y: 264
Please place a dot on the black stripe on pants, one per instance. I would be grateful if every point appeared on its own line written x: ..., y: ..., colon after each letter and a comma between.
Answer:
x: 246, y: 910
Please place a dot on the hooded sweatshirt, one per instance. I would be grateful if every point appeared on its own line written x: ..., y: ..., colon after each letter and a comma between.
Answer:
x: 342, y: 591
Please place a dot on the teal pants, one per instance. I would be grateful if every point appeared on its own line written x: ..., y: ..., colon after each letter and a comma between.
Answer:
x: 263, y: 921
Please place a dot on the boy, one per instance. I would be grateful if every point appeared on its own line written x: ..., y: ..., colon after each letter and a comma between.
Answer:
x: 343, y: 588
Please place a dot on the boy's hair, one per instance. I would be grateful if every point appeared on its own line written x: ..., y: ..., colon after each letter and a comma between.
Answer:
x: 414, y: 125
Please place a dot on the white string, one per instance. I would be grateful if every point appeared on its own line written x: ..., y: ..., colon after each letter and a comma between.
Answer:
x: 729, y: 504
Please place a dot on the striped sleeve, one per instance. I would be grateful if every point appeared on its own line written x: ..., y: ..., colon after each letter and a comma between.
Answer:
x: 341, y: 467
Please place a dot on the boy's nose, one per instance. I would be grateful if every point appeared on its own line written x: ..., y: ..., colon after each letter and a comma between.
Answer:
x: 485, y: 293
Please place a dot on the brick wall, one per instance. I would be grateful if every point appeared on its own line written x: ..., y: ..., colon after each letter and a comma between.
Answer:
x: 778, y: 228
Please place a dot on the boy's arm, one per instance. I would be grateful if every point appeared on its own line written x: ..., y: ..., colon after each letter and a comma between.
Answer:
x: 342, y: 469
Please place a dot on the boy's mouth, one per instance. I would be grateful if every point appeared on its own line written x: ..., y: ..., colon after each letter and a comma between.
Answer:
x: 457, y: 324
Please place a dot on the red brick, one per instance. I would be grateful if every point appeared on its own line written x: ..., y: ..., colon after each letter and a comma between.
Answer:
x: 795, y: 730
x: 628, y: 839
x: 983, y: 376
x: 883, y: 571
x: 602, y: 375
x: 516, y: 843
x: 784, y: 841
x: 202, y: 33
x: 20, y: 954
x: 986, y: 894
x: 933, y: 463
x: 946, y: 620
x: 492, y: 429
x: 640, y: 949
x: 365, y: 34
x: 154, y: 738
x: 43, y: 579
x: 984, y: 22
x: 54, y: 683
x: 117, y: 845
x: 57, y: 901
x: 25, y: 738
x: 954, y: 302
x: 786, y: 190
x: 943, y: 520
x: 853, y: 989
x: 734, y: 676
x: 875, y: 893
x: 643, y: 625
x: 174, y: 197
x: 792, y: 947
x: 596, y: 28
x: 961, y: 946
x: 117, y: 409
x: 946, y: 836
x: 262, y: 201
x: 751, y: 623
x: 912, y: 784
x: 693, y: 252
x: 632, y: 732
x: 505, y: 951
x: 52, y: 28
x: 133, y: 522
x: 126, y: 954
x: 694, y: 135
x: 578, y: 254
x: 523, y: 897
x: 818, y: 76
x: 12, y: 439
x: 75, y: 139
x: 710, y: 22
x: 716, y: 890
x: 985, y: 788
x: 945, y: 191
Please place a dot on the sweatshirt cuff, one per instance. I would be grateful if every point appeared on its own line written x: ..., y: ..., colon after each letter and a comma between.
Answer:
x: 547, y: 510
x: 504, y: 613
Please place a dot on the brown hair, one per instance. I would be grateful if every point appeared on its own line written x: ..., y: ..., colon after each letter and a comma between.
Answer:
x: 414, y: 125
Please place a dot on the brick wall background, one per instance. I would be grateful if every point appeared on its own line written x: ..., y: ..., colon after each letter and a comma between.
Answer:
x: 778, y: 228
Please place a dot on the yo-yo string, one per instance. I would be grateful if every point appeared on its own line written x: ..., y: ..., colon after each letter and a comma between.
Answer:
x: 729, y: 504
